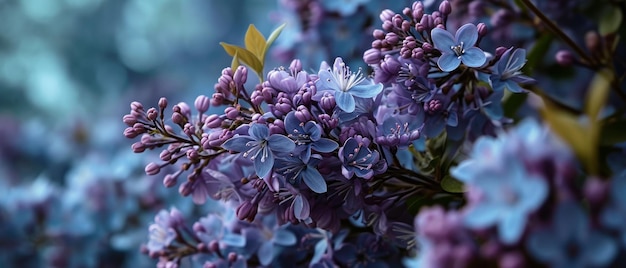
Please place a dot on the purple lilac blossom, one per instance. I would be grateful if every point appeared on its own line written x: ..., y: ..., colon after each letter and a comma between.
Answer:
x: 345, y: 85
x: 260, y: 147
x: 458, y: 48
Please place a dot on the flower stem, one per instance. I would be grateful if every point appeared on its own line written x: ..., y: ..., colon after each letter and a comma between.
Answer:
x: 556, y: 30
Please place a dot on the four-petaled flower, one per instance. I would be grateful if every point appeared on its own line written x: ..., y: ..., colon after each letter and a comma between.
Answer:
x: 458, y: 48
x: 345, y: 84
x: 260, y: 146
x: 295, y: 170
x: 357, y: 158
x: 307, y: 136
x: 506, y: 72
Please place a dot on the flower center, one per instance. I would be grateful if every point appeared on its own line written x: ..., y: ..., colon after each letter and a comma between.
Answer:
x: 458, y: 49
x: 345, y: 78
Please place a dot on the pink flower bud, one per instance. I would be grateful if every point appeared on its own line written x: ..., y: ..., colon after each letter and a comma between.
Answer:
x: 162, y: 103
x: 445, y: 8
x: 138, y: 147
x: 129, y: 120
x: 136, y: 106
x: 152, y: 114
x: 202, y: 103
x: 152, y: 168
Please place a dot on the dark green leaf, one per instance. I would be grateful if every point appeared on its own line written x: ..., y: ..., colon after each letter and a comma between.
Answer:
x: 452, y: 185
x: 537, y: 53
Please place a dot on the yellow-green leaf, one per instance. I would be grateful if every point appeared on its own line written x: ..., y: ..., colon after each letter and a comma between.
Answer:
x: 578, y: 135
x: 610, y: 21
x: 244, y: 56
x: 598, y: 93
x: 235, y: 62
x: 255, y: 42
x: 452, y: 185
x: 272, y: 38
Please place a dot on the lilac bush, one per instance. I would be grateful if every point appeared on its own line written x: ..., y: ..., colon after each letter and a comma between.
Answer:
x: 440, y: 144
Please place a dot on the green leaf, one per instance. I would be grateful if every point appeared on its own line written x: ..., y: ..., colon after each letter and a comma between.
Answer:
x: 235, y: 62
x: 245, y: 56
x: 537, y: 53
x: 598, y: 93
x: 452, y: 185
x: 255, y: 42
x: 273, y: 36
x: 610, y: 21
x: 578, y: 136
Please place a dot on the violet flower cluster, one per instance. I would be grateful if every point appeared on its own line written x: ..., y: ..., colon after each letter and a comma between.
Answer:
x: 417, y: 163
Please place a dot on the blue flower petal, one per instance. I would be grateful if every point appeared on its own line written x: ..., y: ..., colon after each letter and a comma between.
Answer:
x: 443, y: 40
x: 543, y: 246
x: 468, y: 34
x: 259, y: 131
x: 234, y: 240
x: 345, y: 101
x: 448, y: 62
x: 263, y: 165
x: 512, y: 86
x: 284, y: 238
x: 482, y: 215
x: 237, y: 144
x: 600, y: 249
x: 473, y: 57
x: 314, y: 180
x: 280, y: 143
x: 366, y: 91
x: 512, y: 226
x: 266, y: 253
x: 325, y: 145
x: 320, y: 250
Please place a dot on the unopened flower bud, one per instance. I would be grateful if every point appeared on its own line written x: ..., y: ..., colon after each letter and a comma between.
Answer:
x: 152, y: 168
x: 217, y: 99
x: 592, y: 41
x: 231, y: 112
x: 152, y: 114
x: 386, y: 15
x: 178, y: 118
x: 170, y: 180
x: 295, y: 66
x: 138, y: 147
x: 129, y: 120
x: 241, y: 75
x: 185, y: 188
x: 482, y: 29
x: 162, y: 103
x: 232, y: 257
x: 500, y: 51
x: 130, y: 133
x: 445, y: 8
x: 213, y: 121
x: 378, y: 34
x: 303, y: 114
x: 214, y: 246
x: 136, y: 106
x: 184, y: 109
x: 202, y: 103
x: 564, y: 58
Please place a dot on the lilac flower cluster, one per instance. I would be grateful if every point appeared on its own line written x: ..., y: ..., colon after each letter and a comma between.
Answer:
x: 416, y: 162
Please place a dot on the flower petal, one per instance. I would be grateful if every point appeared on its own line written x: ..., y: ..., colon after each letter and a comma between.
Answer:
x: 482, y: 215
x: 284, y: 238
x: 448, y: 62
x: 512, y: 226
x: 237, y: 144
x: 314, y: 180
x: 345, y: 101
x: 266, y: 253
x: 468, y: 34
x: 263, y: 165
x: 543, y: 246
x: 443, y: 40
x: 325, y: 145
x: 599, y: 249
x: 473, y: 57
x: 517, y: 60
x: 259, y: 131
x: 280, y: 143
x: 366, y: 90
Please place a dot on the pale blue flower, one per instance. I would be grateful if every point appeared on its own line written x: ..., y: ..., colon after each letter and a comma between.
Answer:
x: 345, y: 85
x: 458, y: 48
x: 260, y: 146
x: 506, y: 72
x: 570, y: 242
